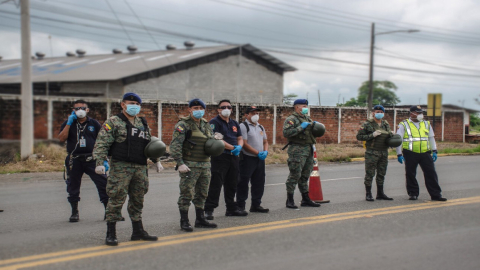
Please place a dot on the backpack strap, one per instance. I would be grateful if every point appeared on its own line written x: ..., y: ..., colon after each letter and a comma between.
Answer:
x: 246, y: 125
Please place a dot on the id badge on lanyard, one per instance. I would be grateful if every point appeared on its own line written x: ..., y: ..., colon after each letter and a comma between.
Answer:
x: 83, y: 142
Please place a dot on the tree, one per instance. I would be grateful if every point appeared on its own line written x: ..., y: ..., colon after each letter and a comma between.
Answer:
x: 288, y: 99
x: 474, y: 121
x: 383, y: 93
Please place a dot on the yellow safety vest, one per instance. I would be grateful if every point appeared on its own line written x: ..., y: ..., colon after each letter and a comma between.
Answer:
x: 416, y: 139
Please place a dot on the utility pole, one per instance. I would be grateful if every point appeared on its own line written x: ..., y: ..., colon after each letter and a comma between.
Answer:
x: 319, y: 103
x: 26, y: 148
x: 370, y: 77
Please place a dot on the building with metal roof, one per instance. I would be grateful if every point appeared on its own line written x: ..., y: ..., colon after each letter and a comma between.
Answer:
x: 241, y: 73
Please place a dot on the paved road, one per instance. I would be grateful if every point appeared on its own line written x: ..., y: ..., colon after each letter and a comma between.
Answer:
x: 348, y: 233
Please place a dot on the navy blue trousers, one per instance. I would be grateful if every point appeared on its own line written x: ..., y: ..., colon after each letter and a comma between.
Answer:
x: 252, y: 170
x: 74, y: 179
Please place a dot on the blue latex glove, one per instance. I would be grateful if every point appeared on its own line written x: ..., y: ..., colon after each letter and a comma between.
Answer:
x: 434, y: 156
x: 71, y: 117
x: 401, y: 159
x: 105, y: 164
x: 236, y: 150
x: 263, y: 155
x: 304, y: 125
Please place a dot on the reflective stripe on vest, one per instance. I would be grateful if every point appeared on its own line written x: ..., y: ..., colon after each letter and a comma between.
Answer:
x: 416, y: 139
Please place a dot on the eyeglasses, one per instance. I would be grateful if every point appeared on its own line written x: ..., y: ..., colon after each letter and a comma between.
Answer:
x: 226, y: 107
x: 80, y: 108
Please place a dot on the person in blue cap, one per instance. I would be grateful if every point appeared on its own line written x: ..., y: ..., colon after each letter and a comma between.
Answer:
x: 188, y: 150
x: 297, y: 128
x: 124, y: 138
x: 375, y: 132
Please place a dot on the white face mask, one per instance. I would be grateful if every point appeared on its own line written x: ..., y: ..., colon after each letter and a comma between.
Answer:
x: 226, y: 113
x: 255, y: 118
x: 80, y: 113
x: 420, y: 117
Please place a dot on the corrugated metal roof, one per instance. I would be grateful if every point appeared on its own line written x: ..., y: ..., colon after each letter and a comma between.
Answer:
x: 109, y: 67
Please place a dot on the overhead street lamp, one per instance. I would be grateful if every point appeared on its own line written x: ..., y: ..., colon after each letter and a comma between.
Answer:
x: 372, y: 46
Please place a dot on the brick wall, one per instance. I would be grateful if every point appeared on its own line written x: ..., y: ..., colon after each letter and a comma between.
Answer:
x: 351, y: 119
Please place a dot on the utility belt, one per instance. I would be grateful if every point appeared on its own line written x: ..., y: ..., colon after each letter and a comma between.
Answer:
x: 82, y: 157
x: 428, y: 152
x: 292, y: 143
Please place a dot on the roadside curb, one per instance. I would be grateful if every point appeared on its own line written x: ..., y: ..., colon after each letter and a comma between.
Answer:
x: 440, y: 155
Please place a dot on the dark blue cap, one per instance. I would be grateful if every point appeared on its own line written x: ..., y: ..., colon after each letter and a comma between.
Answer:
x: 300, y: 101
x: 196, y: 102
x: 416, y: 109
x: 378, y: 107
x: 132, y: 96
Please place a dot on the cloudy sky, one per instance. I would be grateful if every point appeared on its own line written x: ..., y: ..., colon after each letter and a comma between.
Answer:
x: 327, y: 40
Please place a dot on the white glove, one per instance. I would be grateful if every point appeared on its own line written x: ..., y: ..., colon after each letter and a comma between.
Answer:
x: 159, y: 166
x: 376, y: 133
x: 183, y: 168
x: 218, y: 136
x: 100, y: 170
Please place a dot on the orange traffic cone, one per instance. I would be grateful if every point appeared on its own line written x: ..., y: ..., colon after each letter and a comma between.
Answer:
x: 314, y: 186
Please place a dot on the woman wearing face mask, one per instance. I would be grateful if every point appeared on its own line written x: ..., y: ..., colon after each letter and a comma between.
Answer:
x: 375, y: 131
x: 124, y: 137
x: 419, y: 147
x: 187, y: 149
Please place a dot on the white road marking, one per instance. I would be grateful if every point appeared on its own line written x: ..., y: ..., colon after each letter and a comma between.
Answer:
x: 75, y: 62
x: 12, y: 65
x: 51, y: 63
x: 192, y: 54
x: 159, y: 57
x: 101, y: 61
x: 326, y: 180
x: 129, y: 59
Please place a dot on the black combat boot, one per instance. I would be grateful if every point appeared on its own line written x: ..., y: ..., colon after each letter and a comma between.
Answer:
x: 140, y: 234
x: 381, y: 195
x: 74, y: 217
x: 184, y: 222
x: 105, y: 215
x: 290, y: 203
x: 111, y: 239
x: 201, y: 222
x: 369, y: 196
x: 209, y: 214
x: 306, y: 201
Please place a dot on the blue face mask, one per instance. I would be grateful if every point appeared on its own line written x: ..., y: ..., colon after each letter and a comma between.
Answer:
x: 304, y: 110
x: 379, y: 115
x: 198, y: 114
x: 132, y: 109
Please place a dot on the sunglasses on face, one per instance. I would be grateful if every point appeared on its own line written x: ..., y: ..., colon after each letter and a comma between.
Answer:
x: 226, y: 107
x: 80, y: 108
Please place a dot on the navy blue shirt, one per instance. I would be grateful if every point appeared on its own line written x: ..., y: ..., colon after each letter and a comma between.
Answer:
x: 230, y: 130
x: 87, y: 130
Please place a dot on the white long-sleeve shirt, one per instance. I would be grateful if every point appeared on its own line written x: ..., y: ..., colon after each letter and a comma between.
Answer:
x: 431, y: 136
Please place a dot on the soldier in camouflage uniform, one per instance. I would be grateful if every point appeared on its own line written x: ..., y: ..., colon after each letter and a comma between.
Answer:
x: 298, y: 131
x: 187, y: 148
x: 124, y: 137
x: 375, y: 132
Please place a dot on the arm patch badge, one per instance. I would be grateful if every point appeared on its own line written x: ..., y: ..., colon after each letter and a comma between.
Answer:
x: 180, y: 129
x: 290, y: 122
x: 107, y: 127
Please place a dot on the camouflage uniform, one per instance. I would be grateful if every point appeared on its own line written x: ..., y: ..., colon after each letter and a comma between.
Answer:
x: 126, y: 178
x: 300, y: 157
x: 376, y: 155
x: 195, y: 183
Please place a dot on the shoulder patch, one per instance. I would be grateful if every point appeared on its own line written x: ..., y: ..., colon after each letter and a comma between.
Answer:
x: 212, y: 126
x: 180, y: 129
x: 107, y: 127
x: 91, y: 128
x: 290, y: 122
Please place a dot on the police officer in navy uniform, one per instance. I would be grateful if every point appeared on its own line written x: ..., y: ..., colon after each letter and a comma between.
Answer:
x: 80, y: 132
x: 225, y: 167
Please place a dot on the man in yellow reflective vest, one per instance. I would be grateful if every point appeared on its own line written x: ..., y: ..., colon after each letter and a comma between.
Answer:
x: 419, y: 148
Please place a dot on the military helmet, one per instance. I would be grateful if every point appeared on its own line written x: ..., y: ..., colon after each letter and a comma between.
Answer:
x: 318, y: 129
x: 214, y: 147
x: 394, y: 141
x: 155, y: 148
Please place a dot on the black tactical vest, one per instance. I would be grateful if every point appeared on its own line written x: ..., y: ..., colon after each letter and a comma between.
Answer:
x: 380, y: 142
x: 194, y: 147
x: 131, y: 150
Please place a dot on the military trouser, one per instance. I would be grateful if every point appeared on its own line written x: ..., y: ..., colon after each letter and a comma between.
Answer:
x: 194, y: 188
x: 300, y: 164
x: 375, y: 160
x: 130, y: 179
